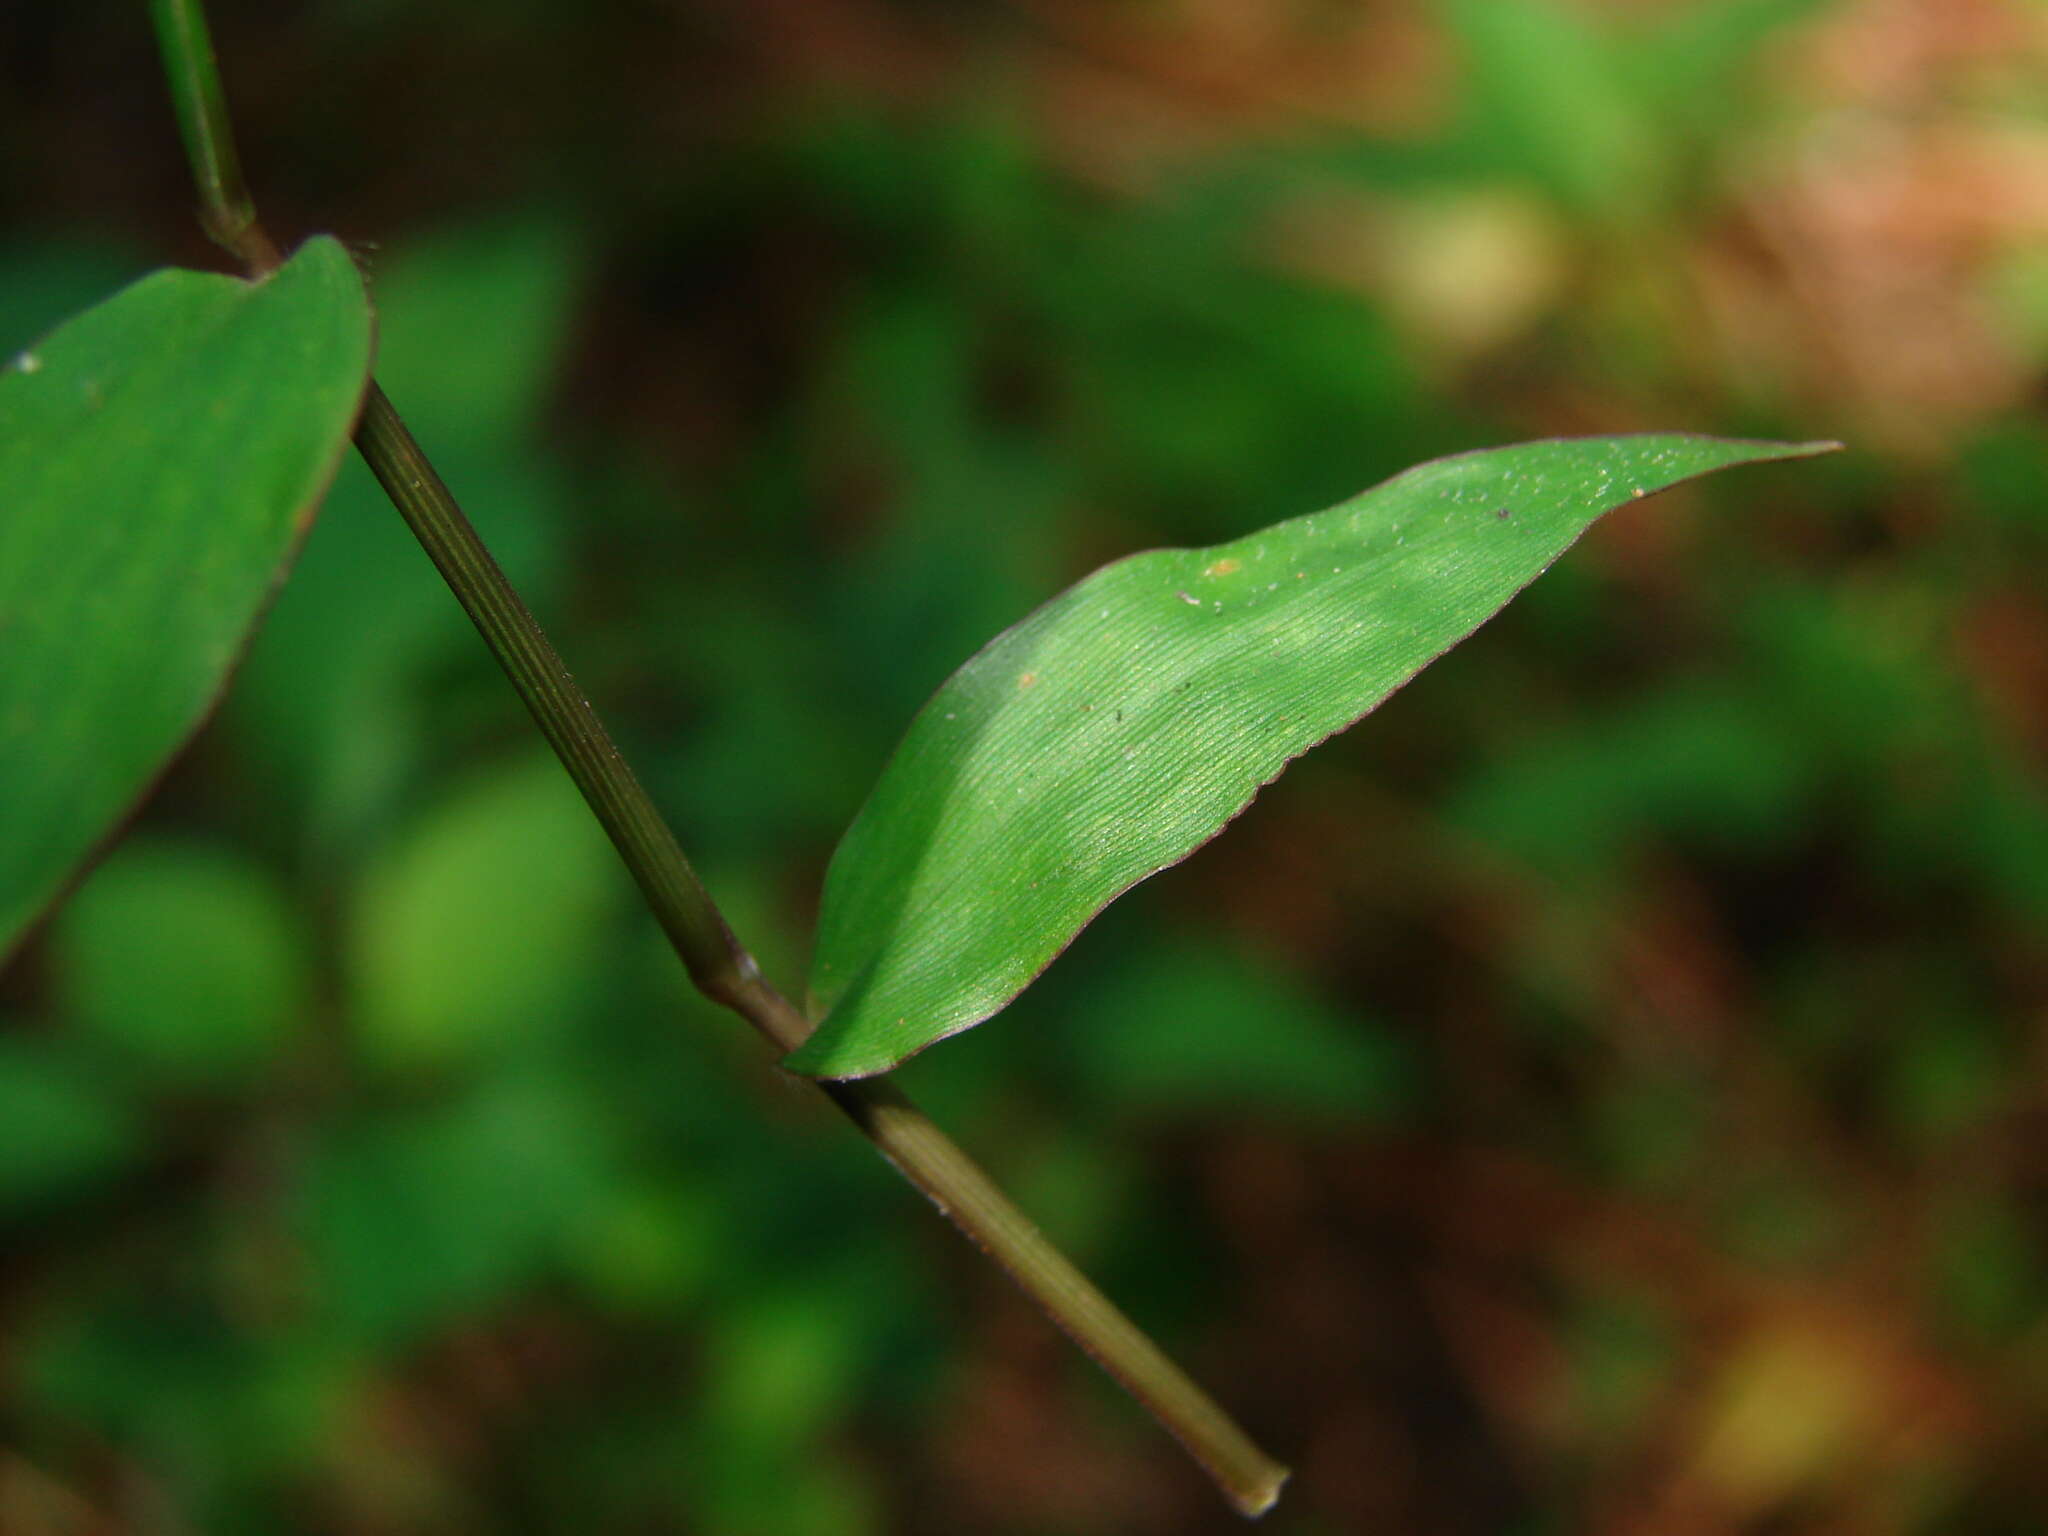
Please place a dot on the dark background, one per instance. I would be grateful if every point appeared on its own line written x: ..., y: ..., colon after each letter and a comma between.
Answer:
x: 1601, y: 1093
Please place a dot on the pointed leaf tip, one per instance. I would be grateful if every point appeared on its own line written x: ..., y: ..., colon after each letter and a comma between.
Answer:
x: 1127, y: 721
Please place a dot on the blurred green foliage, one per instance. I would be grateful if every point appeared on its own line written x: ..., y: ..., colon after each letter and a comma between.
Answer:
x: 1602, y: 1088
x: 182, y: 964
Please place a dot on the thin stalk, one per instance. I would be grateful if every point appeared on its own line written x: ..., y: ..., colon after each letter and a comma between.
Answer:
x: 725, y: 972
x: 226, y: 210
x: 718, y: 966
x: 716, y: 962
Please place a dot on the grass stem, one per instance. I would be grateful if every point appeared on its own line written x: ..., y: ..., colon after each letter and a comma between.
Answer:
x: 716, y: 962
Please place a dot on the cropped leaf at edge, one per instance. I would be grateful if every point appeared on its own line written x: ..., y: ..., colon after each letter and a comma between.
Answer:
x: 160, y: 459
x: 1123, y: 724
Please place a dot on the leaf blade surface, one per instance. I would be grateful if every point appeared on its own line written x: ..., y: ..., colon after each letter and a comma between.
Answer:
x: 1123, y: 724
x: 160, y: 459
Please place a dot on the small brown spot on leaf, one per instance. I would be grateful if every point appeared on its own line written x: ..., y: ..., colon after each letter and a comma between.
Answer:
x: 1221, y: 567
x: 1027, y: 680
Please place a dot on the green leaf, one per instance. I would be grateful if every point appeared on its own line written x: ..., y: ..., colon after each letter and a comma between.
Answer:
x: 62, y: 1129
x: 479, y: 928
x: 182, y: 959
x: 1166, y: 1034
x: 424, y: 1215
x: 1119, y: 727
x: 160, y: 459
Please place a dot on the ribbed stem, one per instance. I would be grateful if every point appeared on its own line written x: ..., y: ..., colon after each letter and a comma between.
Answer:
x: 953, y: 1182
x: 715, y: 961
x: 724, y: 971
